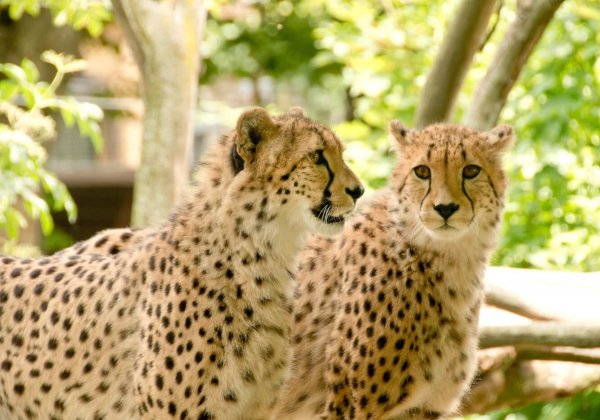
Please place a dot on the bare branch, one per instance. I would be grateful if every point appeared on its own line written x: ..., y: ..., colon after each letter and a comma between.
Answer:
x: 544, y: 295
x: 503, y: 298
x: 564, y: 354
x: 524, y: 33
x: 453, y: 60
x: 543, y: 333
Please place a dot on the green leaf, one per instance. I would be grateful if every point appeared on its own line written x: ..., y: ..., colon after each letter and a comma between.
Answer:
x: 14, y: 72
x: 8, y: 90
x: 31, y: 72
x: 16, y: 10
x: 13, y: 221
x: 46, y: 223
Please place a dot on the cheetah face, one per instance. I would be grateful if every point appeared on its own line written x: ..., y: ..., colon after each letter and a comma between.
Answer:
x: 328, y: 188
x: 301, y: 162
x: 450, y: 177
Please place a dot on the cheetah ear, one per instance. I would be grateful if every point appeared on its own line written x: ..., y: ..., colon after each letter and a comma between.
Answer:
x: 296, y: 111
x: 399, y: 132
x: 253, y: 126
x: 500, y: 138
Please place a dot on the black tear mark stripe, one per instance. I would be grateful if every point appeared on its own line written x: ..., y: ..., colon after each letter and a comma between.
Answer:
x: 426, y: 194
x: 323, y: 161
x: 467, y: 195
x: 237, y: 163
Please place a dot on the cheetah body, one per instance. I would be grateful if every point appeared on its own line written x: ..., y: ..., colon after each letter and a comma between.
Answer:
x: 187, y: 320
x: 386, y: 313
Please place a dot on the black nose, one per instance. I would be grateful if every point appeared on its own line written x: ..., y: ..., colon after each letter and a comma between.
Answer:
x: 446, y: 210
x: 356, y: 193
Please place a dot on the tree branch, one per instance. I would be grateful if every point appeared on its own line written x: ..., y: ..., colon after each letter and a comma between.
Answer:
x: 524, y: 33
x: 563, y: 354
x: 544, y: 333
x: 528, y: 381
x: 453, y: 60
x: 544, y: 295
x: 503, y: 298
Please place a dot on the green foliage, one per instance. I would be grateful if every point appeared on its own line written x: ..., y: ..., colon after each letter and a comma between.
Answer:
x: 27, y: 187
x: 91, y: 15
x: 584, y: 406
x: 374, y: 56
x: 553, y: 217
x: 364, y: 57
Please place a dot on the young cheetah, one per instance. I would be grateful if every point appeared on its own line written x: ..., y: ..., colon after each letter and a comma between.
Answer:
x: 191, y: 319
x: 386, y: 314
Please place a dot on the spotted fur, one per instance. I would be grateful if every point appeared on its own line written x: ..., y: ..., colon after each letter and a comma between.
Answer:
x: 385, y: 314
x: 190, y: 319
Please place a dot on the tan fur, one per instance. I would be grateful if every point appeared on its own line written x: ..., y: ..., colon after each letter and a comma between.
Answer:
x: 386, y: 313
x: 186, y: 320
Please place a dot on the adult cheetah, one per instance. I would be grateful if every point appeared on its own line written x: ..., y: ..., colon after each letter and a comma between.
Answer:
x: 386, y: 313
x: 192, y: 319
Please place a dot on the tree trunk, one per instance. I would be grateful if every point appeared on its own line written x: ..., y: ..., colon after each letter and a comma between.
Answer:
x: 453, y: 60
x: 165, y: 39
x: 524, y: 33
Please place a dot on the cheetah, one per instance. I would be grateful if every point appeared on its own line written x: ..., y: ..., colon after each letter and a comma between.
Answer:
x: 386, y: 314
x: 190, y: 319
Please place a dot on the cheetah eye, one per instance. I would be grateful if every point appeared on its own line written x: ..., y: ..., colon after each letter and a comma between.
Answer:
x: 422, y: 172
x: 317, y: 157
x: 471, y: 171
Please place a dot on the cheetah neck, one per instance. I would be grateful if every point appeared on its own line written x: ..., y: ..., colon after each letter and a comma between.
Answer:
x: 254, y: 219
x: 244, y: 221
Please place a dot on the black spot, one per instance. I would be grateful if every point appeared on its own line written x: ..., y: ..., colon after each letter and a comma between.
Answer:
x: 172, y: 408
x: 383, y: 398
x: 18, y: 290
x: 18, y: 316
x: 169, y: 363
x: 206, y: 415
x: 19, y: 388
x: 371, y: 370
x: 230, y: 396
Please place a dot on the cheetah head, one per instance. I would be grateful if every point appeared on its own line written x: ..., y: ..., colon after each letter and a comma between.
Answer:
x: 300, y: 162
x: 450, y: 178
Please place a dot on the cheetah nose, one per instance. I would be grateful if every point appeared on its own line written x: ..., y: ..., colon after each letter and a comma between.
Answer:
x: 446, y: 210
x: 355, y: 193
